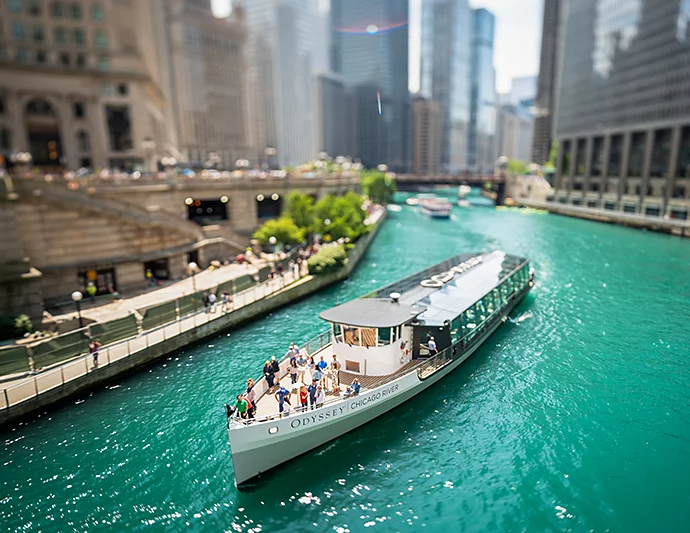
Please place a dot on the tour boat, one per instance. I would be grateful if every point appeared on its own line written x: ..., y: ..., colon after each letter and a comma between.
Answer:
x: 435, y: 207
x: 382, y: 339
x: 463, y: 192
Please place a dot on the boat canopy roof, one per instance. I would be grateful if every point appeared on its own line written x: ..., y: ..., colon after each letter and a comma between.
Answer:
x: 371, y: 313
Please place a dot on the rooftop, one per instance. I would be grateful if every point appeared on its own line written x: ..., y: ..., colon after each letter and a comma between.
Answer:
x: 431, y: 304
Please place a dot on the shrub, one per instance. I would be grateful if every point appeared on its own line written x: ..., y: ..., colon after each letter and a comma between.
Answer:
x: 23, y: 324
x: 378, y: 186
x: 328, y: 259
x: 283, y: 229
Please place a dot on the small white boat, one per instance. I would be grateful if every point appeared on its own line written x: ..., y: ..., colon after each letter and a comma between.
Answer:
x: 464, y: 191
x: 394, y: 208
x: 412, y: 201
x: 436, y: 207
x: 383, y: 340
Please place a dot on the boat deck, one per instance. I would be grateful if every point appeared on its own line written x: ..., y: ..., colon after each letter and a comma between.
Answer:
x: 267, y: 405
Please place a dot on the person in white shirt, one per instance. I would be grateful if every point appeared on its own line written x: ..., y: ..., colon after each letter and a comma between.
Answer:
x: 335, y: 373
x: 432, y: 346
x: 320, y: 396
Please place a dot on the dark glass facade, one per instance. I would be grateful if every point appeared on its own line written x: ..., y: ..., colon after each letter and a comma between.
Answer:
x: 370, y: 53
x: 623, y: 105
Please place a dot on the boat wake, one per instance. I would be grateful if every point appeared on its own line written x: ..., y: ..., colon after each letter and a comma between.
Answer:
x: 521, y: 317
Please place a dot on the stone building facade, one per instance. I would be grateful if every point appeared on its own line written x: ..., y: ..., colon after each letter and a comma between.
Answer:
x: 426, y: 137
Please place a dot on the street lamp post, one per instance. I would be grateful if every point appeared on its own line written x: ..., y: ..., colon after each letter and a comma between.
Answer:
x: 77, y: 297
x: 193, y: 269
x: 169, y: 164
x: 21, y: 163
x: 149, y: 145
x: 272, y: 241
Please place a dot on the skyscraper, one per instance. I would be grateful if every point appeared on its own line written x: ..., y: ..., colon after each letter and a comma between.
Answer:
x: 482, y: 131
x: 541, y: 144
x: 622, y: 113
x: 457, y: 72
x: 426, y: 137
x: 280, y: 78
x: 370, y: 52
x: 446, y: 74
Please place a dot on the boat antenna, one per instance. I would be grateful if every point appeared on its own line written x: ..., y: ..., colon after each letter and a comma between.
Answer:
x: 395, y: 297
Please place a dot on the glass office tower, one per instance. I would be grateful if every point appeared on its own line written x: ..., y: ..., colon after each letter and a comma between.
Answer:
x: 622, y: 114
x: 370, y: 53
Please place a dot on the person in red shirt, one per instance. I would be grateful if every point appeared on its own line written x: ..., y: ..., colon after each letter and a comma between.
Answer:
x: 303, y: 398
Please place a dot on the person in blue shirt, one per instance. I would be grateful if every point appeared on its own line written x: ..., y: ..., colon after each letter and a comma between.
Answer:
x: 323, y: 365
x: 312, y: 392
x: 353, y: 389
x: 282, y: 396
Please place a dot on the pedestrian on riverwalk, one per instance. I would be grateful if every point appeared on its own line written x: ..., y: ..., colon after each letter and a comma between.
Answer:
x: 94, y: 345
x: 312, y: 390
x: 212, y: 299
x: 283, y: 396
x: 269, y: 374
x: 226, y: 302
x: 91, y: 290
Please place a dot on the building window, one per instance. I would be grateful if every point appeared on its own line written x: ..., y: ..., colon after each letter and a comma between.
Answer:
x: 40, y: 57
x: 107, y: 89
x: 57, y: 10
x: 78, y: 36
x: 103, y: 63
x: 75, y: 11
x: 79, y: 111
x: 15, y: 6
x: 119, y: 128
x: 580, y: 157
x: 97, y: 13
x: 81, y: 60
x: 83, y: 141
x: 86, y: 162
x: 64, y: 59
x: 2, y: 104
x: 636, y: 159
x: 122, y: 89
x: 683, y: 168
x: 5, y: 139
x: 565, y: 160
x: 60, y: 35
x: 597, y: 162
x: 33, y: 7
x: 615, y: 155
x: 22, y: 55
x: 38, y: 34
x: 100, y: 39
x: 18, y: 30
x: 661, y: 154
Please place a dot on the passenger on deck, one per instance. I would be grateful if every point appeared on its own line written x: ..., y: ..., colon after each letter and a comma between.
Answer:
x: 320, y: 396
x: 269, y: 374
x: 432, y: 346
x: 335, y: 372
x: 353, y: 389
x: 323, y: 365
x: 250, y: 395
x: 276, y: 368
x: 313, y: 389
x: 283, y: 396
x: 311, y: 365
x: 302, y: 368
x: 304, y: 398
x: 317, y: 375
x: 241, y: 406
x: 292, y: 370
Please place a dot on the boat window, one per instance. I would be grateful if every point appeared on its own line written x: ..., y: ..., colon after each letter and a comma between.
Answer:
x: 337, y: 333
x: 480, y: 308
x: 489, y: 303
x: 351, y: 335
x: 352, y: 366
x: 384, y: 336
x: 395, y: 332
x: 468, y: 322
x: 496, y: 295
x: 455, y: 330
x: 368, y: 336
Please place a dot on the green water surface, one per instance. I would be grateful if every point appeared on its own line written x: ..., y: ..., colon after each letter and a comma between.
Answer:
x: 575, y: 419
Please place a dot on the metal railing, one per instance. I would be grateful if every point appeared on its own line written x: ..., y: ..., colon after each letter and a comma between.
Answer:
x: 32, y: 386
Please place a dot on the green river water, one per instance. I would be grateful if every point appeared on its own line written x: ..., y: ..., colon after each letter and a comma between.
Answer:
x: 575, y: 419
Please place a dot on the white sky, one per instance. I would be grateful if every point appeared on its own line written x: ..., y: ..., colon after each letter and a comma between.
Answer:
x: 517, y: 38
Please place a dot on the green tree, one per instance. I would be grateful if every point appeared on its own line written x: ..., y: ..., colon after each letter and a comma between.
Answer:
x: 23, y: 324
x: 328, y: 259
x: 517, y: 167
x: 300, y: 208
x: 378, y: 186
x: 340, y: 217
x: 283, y: 229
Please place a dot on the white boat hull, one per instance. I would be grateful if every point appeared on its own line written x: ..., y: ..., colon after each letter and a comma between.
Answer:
x: 255, y: 450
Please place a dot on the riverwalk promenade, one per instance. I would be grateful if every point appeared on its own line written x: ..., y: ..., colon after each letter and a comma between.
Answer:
x: 30, y: 393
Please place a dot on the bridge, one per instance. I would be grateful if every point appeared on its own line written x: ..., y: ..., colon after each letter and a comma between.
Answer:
x: 415, y: 181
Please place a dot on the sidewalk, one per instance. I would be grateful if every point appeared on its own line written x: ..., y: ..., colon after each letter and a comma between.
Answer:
x: 204, y: 280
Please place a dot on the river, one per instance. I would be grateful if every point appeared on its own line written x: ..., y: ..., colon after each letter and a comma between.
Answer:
x: 576, y: 418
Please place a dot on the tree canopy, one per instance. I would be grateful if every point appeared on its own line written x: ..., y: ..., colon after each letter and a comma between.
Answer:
x: 378, y: 186
x: 283, y: 229
x: 300, y: 208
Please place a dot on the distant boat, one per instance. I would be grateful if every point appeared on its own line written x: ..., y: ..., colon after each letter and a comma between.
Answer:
x: 412, y: 201
x: 394, y: 208
x: 463, y: 192
x: 435, y: 207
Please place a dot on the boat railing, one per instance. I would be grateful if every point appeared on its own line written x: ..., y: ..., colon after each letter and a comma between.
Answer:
x: 455, y: 351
